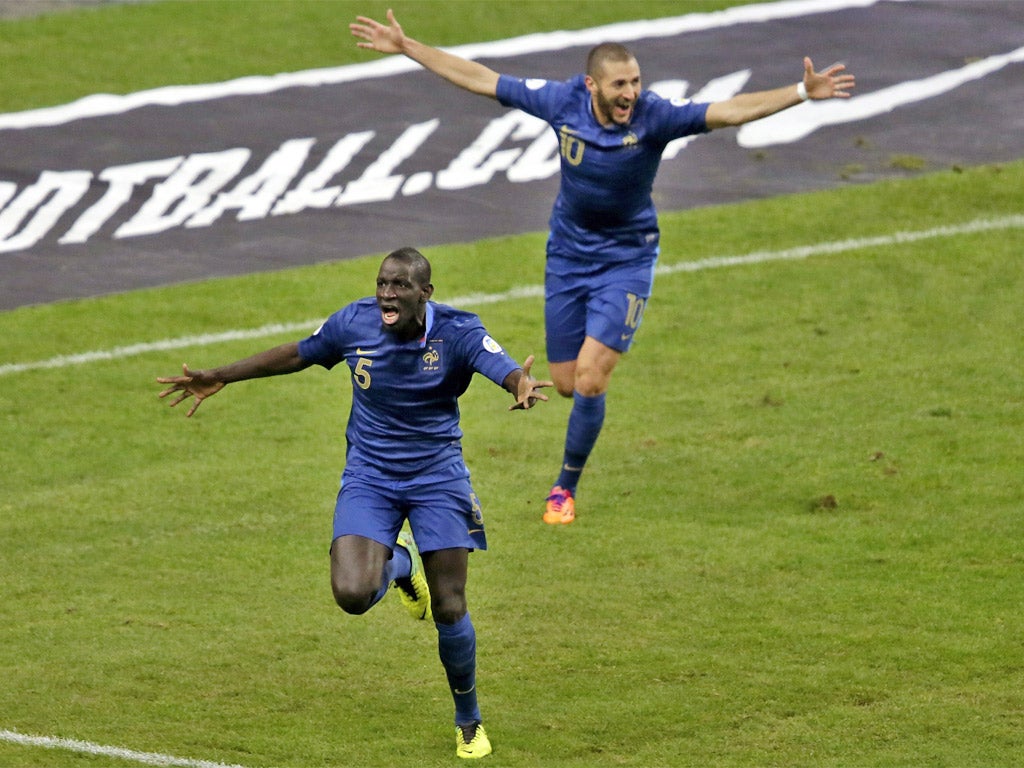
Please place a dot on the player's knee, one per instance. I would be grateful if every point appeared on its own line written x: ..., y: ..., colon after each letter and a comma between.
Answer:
x: 564, y: 377
x: 591, y: 383
x: 447, y: 616
x: 564, y: 383
x: 352, y: 599
x: 448, y: 609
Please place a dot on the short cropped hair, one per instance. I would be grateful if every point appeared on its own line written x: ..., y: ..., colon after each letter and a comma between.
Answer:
x: 418, y: 265
x: 601, y: 54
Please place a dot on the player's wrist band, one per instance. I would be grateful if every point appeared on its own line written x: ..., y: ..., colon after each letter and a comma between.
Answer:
x: 801, y: 91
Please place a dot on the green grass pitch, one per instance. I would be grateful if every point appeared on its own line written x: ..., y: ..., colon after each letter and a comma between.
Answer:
x: 799, y: 540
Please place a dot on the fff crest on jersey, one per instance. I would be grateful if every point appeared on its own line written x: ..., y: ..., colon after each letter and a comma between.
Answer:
x: 431, y: 358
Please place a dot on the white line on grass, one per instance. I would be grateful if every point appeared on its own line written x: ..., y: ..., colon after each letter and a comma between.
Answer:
x: 1015, y: 221
x: 86, y: 747
x: 99, y: 104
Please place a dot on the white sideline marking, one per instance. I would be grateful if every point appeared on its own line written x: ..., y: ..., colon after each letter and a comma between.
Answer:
x: 99, y: 104
x: 1015, y: 221
x: 74, y: 745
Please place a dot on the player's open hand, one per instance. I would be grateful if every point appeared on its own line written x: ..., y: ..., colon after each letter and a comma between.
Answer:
x: 528, y: 386
x: 377, y: 36
x: 190, y: 384
x: 829, y: 83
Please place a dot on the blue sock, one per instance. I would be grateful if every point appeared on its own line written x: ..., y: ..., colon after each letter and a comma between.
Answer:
x: 456, y: 644
x: 585, y: 422
x: 398, y: 567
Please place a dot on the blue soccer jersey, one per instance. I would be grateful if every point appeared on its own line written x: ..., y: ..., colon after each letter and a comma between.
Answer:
x: 404, y: 418
x: 604, y: 209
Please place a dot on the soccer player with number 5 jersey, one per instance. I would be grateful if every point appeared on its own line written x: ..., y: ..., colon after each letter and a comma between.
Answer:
x: 409, y: 359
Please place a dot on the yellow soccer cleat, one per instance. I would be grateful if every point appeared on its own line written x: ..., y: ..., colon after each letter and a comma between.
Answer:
x: 478, y: 746
x: 414, y: 593
x: 560, y: 508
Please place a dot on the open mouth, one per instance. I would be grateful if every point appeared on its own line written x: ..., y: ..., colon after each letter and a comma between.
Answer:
x: 388, y: 314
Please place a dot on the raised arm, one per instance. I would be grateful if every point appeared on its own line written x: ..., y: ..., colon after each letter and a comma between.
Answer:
x: 746, y: 107
x: 473, y: 77
x: 204, y: 383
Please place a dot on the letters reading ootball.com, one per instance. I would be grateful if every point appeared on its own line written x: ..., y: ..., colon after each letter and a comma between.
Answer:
x: 198, y: 189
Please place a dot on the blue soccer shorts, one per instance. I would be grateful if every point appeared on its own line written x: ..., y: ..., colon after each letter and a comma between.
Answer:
x: 604, y: 300
x: 441, y: 507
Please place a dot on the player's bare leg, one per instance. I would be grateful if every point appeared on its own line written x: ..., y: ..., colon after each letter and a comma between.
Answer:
x: 357, y: 572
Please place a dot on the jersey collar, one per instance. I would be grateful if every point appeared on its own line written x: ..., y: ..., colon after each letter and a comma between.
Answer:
x: 428, y: 324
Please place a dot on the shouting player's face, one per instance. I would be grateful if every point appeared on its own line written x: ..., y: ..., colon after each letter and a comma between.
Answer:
x: 402, y: 299
x: 614, y: 92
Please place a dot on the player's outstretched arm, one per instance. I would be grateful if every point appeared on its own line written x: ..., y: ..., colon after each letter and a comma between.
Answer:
x: 205, y: 383
x: 830, y: 83
x: 390, y: 38
x: 524, y: 387
x: 197, y: 384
